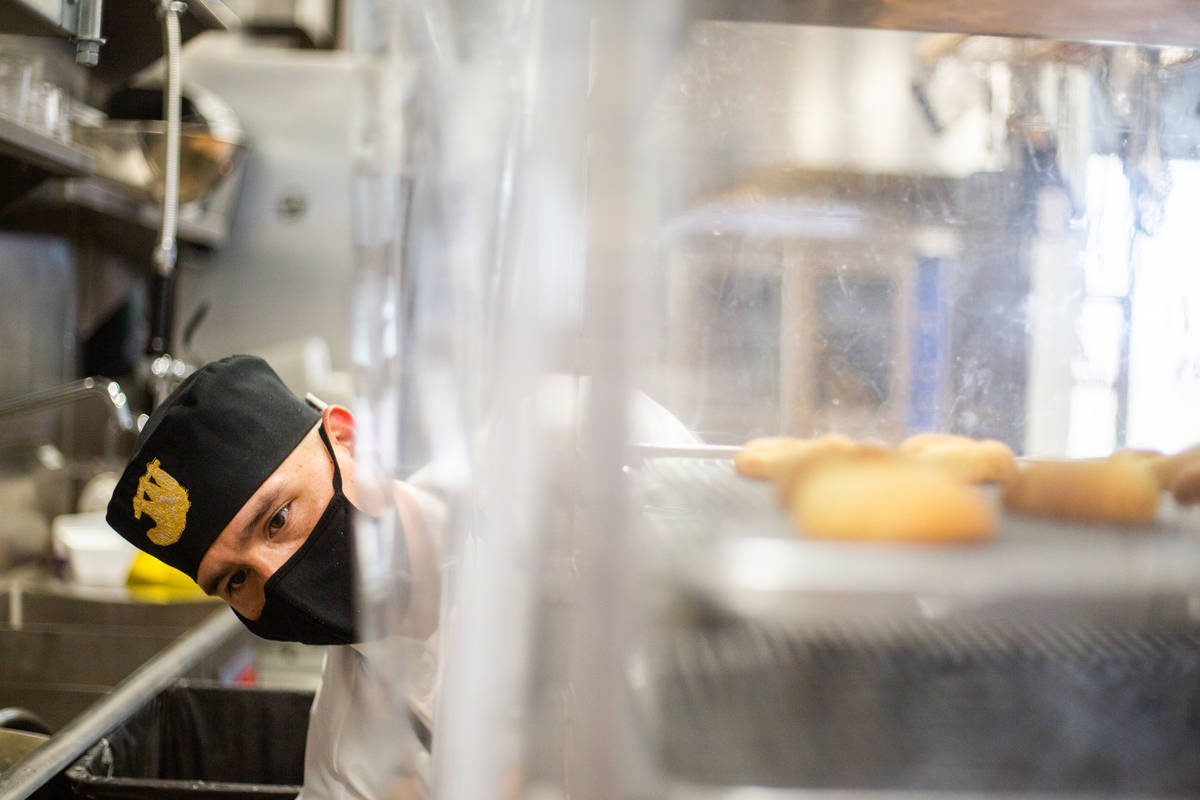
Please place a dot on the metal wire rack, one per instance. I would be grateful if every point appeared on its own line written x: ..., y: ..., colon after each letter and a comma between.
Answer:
x: 1057, y: 659
x: 931, y: 707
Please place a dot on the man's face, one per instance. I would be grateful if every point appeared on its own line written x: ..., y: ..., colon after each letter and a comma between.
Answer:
x: 271, y: 526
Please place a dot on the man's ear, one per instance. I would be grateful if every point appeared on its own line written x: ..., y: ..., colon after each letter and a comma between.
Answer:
x: 339, y: 422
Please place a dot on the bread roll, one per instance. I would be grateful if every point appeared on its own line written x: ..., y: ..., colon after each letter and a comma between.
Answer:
x: 1186, y: 487
x: 770, y: 458
x: 792, y: 465
x: 1137, y: 452
x: 753, y: 459
x: 888, y: 499
x: 986, y: 461
x: 919, y: 441
x: 1167, y: 468
x: 1120, y: 489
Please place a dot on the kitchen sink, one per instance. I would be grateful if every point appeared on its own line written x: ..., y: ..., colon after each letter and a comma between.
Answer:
x: 64, y: 647
x: 58, y: 674
x: 64, y: 605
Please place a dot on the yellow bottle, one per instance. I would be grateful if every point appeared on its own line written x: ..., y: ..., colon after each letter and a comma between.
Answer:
x: 151, y: 579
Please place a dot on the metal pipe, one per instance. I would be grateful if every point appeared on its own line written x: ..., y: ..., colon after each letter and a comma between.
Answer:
x: 87, y: 32
x: 166, y: 252
x: 32, y: 772
x: 165, y: 255
x: 68, y: 393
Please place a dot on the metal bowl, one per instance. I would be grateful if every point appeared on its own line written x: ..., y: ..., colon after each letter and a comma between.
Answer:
x: 133, y: 154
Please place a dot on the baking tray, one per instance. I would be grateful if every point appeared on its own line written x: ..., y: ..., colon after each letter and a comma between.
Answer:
x: 721, y: 542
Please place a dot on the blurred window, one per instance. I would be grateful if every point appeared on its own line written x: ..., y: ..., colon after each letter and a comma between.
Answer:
x: 853, y: 358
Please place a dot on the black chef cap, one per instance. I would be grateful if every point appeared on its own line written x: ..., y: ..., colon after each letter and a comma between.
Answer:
x: 201, y: 456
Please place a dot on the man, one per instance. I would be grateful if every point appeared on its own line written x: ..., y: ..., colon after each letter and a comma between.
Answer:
x: 251, y: 492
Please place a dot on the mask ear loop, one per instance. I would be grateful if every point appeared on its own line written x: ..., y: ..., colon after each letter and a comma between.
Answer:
x: 337, y: 473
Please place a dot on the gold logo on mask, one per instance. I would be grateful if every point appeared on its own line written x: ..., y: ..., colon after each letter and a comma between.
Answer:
x: 161, y: 496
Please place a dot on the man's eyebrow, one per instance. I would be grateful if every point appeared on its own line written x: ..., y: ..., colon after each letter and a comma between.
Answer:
x: 263, y: 507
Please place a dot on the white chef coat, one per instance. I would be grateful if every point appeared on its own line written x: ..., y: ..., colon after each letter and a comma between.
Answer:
x: 356, y: 748
x: 359, y: 743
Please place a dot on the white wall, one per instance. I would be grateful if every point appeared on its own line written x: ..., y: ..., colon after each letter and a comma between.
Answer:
x: 278, y: 278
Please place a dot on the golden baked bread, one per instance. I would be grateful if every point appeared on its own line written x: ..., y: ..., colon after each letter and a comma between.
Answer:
x: 1167, y: 468
x: 973, y: 460
x: 1186, y: 486
x: 795, y: 463
x: 888, y: 499
x: 774, y: 458
x: 1121, y: 489
x: 919, y: 441
x: 753, y: 459
x: 1138, y: 452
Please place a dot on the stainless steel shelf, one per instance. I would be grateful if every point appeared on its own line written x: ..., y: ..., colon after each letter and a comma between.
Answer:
x: 32, y: 17
x: 1151, y: 22
x: 40, y: 150
x: 214, y: 15
x: 120, y: 217
x: 112, y: 200
x: 722, y: 541
x: 869, y: 672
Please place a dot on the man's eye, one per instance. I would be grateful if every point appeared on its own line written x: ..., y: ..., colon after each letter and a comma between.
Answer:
x: 236, y: 580
x: 279, y: 520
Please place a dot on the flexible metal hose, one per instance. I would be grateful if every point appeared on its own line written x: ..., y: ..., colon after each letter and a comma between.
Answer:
x: 165, y: 255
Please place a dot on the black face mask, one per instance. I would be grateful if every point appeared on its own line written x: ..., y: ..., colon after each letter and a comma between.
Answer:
x: 310, y: 599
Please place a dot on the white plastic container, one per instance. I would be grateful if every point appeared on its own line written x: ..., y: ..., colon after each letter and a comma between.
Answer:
x: 95, y: 553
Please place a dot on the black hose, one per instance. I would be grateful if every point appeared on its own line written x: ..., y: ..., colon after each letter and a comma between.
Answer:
x: 162, y: 313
